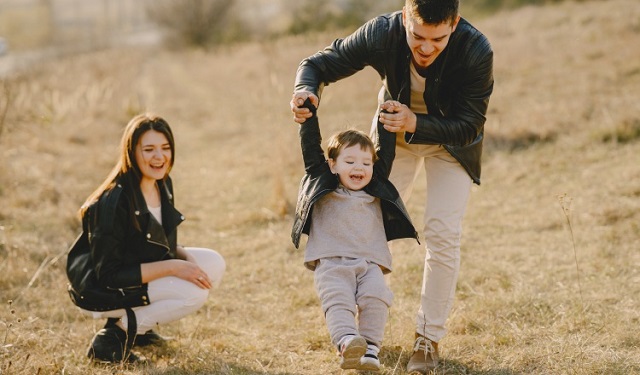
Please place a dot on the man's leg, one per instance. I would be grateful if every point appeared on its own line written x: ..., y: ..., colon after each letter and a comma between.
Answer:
x: 448, y: 189
x: 406, y: 167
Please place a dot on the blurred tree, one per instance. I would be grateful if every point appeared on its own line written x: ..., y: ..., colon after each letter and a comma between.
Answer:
x: 336, y: 14
x: 194, y: 22
x: 491, y: 6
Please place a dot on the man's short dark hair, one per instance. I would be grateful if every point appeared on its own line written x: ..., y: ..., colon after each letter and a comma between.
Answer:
x: 433, y: 12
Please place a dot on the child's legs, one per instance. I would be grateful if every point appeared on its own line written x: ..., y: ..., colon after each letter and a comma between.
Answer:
x: 374, y: 299
x: 335, y: 280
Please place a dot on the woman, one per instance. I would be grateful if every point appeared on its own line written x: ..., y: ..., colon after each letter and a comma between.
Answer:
x: 130, y: 230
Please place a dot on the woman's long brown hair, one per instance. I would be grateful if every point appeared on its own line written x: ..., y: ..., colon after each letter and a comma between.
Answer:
x: 127, y: 165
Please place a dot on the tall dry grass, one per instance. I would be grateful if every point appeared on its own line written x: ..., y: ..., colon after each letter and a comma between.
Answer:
x: 550, y: 262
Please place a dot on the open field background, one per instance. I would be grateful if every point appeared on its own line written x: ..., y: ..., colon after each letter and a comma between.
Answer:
x: 550, y: 273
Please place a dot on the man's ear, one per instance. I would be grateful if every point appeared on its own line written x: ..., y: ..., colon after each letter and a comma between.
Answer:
x: 332, y: 164
x: 455, y: 23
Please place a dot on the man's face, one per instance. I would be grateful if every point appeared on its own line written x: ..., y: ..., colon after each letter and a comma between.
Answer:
x: 426, y: 41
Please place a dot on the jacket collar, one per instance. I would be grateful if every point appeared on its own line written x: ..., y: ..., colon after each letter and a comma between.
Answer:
x: 171, y: 217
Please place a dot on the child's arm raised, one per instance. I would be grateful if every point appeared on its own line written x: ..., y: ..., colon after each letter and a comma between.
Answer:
x: 311, y: 141
x: 385, y: 143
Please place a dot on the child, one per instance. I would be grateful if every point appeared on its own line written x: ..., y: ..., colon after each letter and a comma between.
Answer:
x: 349, y: 210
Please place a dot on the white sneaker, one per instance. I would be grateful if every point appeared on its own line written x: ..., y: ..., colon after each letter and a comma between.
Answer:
x: 370, y: 361
x: 352, y: 348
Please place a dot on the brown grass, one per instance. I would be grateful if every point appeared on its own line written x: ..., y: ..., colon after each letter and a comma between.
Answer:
x: 566, y: 74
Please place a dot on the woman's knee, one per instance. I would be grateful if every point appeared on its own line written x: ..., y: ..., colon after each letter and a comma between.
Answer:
x: 211, y: 262
x: 197, y: 297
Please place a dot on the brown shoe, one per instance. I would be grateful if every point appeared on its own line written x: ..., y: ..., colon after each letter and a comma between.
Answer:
x: 425, y: 356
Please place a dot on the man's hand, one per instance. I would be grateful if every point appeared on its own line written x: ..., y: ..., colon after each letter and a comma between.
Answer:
x: 300, y: 115
x: 399, y: 119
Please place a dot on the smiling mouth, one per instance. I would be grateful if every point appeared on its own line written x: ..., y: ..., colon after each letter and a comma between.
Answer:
x: 423, y: 56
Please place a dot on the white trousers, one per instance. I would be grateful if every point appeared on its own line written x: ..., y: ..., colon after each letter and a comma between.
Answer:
x: 172, y: 298
x: 448, y: 189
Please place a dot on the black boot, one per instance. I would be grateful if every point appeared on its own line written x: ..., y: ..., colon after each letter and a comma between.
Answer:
x: 110, y: 345
x: 148, y: 338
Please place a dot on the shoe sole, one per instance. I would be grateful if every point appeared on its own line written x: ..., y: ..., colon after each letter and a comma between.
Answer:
x: 352, y: 353
x: 368, y: 367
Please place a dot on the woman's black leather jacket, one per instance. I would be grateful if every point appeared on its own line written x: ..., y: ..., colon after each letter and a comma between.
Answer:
x: 126, y: 234
x: 458, y: 83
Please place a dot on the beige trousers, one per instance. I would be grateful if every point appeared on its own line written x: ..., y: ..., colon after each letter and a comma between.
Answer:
x: 448, y: 189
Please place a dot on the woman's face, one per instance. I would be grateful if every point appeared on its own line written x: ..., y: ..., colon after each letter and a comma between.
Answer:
x: 153, y: 155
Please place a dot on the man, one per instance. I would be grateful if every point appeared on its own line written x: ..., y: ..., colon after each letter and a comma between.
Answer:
x: 438, y: 69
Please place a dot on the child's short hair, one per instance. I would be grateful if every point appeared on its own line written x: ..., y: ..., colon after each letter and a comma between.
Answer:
x: 348, y: 138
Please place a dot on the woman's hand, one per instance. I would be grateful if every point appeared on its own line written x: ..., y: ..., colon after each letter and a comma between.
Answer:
x: 188, y: 270
x: 184, y: 269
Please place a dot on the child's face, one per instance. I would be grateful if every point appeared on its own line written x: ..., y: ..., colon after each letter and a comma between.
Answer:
x: 354, y: 167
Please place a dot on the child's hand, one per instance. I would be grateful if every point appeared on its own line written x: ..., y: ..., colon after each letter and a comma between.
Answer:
x: 397, y: 117
x: 391, y: 106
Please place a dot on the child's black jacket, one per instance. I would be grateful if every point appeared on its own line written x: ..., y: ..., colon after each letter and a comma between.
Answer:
x: 319, y: 180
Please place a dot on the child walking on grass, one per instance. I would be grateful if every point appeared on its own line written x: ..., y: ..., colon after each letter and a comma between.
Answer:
x: 349, y: 210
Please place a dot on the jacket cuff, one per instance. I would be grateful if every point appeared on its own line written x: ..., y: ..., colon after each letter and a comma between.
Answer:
x: 408, y: 137
x: 130, y: 276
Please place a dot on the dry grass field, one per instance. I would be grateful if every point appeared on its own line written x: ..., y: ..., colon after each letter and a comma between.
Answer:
x: 550, y: 273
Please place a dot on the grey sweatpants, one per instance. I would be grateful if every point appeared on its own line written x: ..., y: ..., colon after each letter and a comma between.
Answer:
x: 348, y: 286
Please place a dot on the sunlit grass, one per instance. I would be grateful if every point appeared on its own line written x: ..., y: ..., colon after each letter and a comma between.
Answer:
x: 519, y: 308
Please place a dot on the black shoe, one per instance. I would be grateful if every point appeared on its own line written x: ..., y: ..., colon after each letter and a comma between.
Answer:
x: 149, y: 338
x: 109, y: 346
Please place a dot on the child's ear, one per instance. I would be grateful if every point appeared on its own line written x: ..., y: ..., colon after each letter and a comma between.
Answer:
x: 332, y: 164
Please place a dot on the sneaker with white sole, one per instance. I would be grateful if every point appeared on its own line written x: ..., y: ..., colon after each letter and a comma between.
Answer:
x: 369, y: 361
x: 352, y: 348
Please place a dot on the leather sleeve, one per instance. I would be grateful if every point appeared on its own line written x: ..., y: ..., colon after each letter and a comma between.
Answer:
x: 311, y: 143
x: 343, y: 58
x: 385, y: 144
x: 113, y: 270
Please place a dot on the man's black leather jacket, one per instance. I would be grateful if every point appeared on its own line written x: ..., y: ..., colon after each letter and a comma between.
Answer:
x: 458, y: 83
x: 319, y: 181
